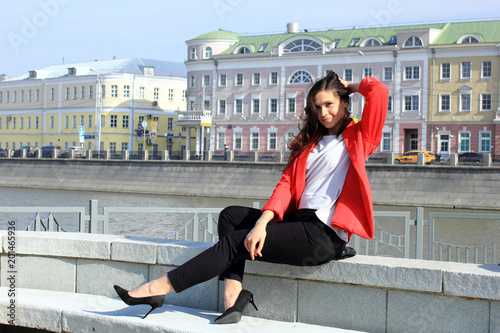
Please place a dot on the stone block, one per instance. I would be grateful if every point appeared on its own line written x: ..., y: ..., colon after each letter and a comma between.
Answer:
x: 41, y: 273
x: 495, y: 317
x: 200, y: 296
x: 178, y: 252
x: 473, y: 280
x: 342, y: 306
x: 276, y: 298
x: 409, y: 274
x: 97, y: 277
x: 135, y: 249
x: 65, y: 244
x: 420, y: 312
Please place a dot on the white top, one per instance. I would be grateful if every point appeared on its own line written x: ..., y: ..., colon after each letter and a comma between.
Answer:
x: 326, y: 171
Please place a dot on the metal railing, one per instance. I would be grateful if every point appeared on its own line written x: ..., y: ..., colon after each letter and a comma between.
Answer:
x: 202, y: 226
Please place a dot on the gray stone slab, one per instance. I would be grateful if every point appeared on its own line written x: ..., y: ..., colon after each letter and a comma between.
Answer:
x: 418, y: 312
x: 343, y: 306
x: 201, y: 296
x: 40, y: 273
x: 65, y: 244
x: 178, y: 252
x: 495, y: 317
x: 65, y: 312
x: 472, y: 280
x: 410, y: 274
x: 136, y: 249
x: 98, y: 276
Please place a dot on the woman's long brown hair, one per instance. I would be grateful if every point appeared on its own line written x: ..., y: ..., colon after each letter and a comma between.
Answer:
x: 311, y: 130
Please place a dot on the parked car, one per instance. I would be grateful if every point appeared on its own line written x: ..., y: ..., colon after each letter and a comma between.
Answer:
x: 3, y: 152
x: 79, y: 152
x: 47, y: 151
x: 470, y: 157
x: 30, y: 151
x: 412, y: 157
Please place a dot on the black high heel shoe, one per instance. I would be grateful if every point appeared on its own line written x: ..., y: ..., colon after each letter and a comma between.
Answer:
x: 233, y: 314
x: 155, y: 301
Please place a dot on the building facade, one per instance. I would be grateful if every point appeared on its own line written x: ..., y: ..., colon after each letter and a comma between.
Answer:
x: 255, y: 86
x: 109, y: 99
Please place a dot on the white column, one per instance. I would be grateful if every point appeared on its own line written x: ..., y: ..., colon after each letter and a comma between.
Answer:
x: 188, y: 138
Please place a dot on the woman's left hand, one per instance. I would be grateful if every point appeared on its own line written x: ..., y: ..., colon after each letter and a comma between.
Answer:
x: 254, y: 242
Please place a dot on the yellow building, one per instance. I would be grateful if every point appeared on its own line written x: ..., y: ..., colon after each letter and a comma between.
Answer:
x: 109, y: 100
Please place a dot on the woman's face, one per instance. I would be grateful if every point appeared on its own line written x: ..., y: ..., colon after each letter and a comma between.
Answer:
x: 330, y: 110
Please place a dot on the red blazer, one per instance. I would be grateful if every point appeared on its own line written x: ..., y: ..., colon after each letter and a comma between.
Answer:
x: 354, y: 212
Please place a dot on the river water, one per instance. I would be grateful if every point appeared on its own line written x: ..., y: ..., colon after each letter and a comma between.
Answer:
x: 158, y: 225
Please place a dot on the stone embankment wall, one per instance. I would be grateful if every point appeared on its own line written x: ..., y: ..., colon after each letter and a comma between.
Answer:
x: 430, y: 186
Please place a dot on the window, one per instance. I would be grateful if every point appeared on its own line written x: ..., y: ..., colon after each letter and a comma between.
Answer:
x: 141, y: 93
x: 444, y: 102
x: 387, y: 73
x: 222, y: 80
x: 208, y: 53
x: 73, y: 122
x: 411, y: 103
x: 66, y: 122
x: 256, y: 79
x: 114, y: 91
x: 412, y: 73
x: 206, y: 80
x: 465, y: 73
x: 255, y: 105
x: 353, y: 42
x: 51, y: 121
x: 445, y: 71
x: 485, y: 140
x: 37, y: 95
x: 242, y: 50
x: 237, y: 141
x: 393, y: 40
x: 371, y: 42
x: 367, y: 72
x: 348, y: 74
x: 273, y: 105
x: 170, y: 124
x: 192, y: 81
x: 206, y: 104
x: 124, y: 146
x: 184, y: 95
x: 67, y: 93
x: 262, y: 48
x: 303, y: 45
x: 74, y: 92
x: 271, y: 141
x: 239, y: 79
x: 222, y: 106
x: 464, y: 141
x: 291, y: 105
x: 389, y: 104
x: 112, y: 147
x: 485, y: 101
x: 126, y: 91
x: 192, y: 53
x: 221, y: 140
x: 468, y: 39
x: 238, y: 106
x: 156, y: 95
x: 465, y: 99
x: 90, y: 92
x: 413, y: 41
x: 170, y: 95
x: 36, y: 123
x: 125, y: 121
x: 386, y: 141
x: 486, y: 70
x: 82, y: 120
x: 21, y: 97
x: 273, y: 80
x: 300, y: 77
x: 29, y: 95
x: 335, y: 43
x: 52, y: 92
x: 82, y: 92
x: 21, y: 123
x: 254, y: 141
x: 89, y: 121
x: 113, y: 121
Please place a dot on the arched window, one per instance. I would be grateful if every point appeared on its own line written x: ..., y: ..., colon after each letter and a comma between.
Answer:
x: 371, y: 42
x: 413, y: 41
x: 208, y: 53
x: 300, y: 77
x: 192, y: 54
x: 243, y: 49
x: 468, y: 39
x: 303, y: 45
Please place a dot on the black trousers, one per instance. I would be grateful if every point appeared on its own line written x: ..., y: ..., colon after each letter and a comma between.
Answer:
x: 301, y: 241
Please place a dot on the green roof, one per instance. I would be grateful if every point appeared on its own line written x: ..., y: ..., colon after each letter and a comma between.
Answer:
x: 488, y: 31
x: 219, y: 34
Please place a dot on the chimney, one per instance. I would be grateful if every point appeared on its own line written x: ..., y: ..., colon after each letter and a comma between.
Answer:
x: 149, y: 70
x: 32, y: 74
x: 292, y: 28
x: 72, y: 71
x: 3, y: 77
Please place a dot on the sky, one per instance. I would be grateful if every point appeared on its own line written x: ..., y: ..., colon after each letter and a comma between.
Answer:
x: 38, y: 33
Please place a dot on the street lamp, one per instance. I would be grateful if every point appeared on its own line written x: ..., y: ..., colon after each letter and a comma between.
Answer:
x: 367, y: 61
x: 98, y: 112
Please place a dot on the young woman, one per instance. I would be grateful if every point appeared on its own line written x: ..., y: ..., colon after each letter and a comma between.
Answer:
x: 323, y: 197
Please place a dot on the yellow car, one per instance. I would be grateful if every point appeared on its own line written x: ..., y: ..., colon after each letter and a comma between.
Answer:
x: 412, y: 157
